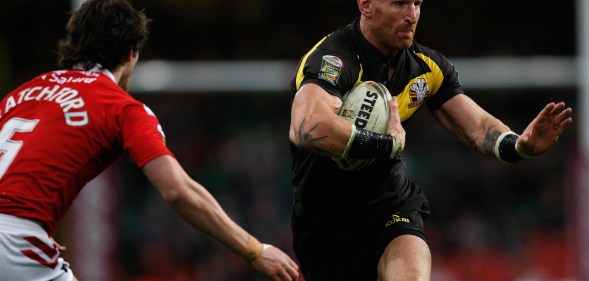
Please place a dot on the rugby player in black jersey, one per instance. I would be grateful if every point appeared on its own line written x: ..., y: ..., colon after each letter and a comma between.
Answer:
x: 368, y: 224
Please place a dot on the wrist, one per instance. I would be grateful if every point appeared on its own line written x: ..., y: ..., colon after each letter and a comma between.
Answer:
x: 350, y: 141
x: 398, y: 145
x: 364, y: 144
x: 253, y: 249
x: 523, y: 155
x: 507, y: 150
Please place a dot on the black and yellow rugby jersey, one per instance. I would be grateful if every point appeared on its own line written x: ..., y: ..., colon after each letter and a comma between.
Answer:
x: 347, y: 203
x: 345, y: 58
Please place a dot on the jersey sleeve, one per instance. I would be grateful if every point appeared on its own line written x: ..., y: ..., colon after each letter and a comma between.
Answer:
x: 332, y: 66
x: 143, y: 136
x: 451, y: 85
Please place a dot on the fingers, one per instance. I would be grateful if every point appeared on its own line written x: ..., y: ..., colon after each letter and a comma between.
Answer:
x: 60, y: 247
x: 394, y: 111
x: 290, y: 270
x: 277, y: 265
x: 563, y: 119
x: 545, y: 129
x: 293, y: 269
x: 394, y: 125
x: 559, y: 116
x: 289, y: 274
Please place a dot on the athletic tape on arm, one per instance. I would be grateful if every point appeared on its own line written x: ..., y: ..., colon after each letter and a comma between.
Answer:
x: 506, y: 149
x: 366, y: 144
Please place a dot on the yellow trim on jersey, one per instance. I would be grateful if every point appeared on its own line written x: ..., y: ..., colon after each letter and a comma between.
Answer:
x: 419, y: 89
x: 300, y: 74
x: 359, y: 75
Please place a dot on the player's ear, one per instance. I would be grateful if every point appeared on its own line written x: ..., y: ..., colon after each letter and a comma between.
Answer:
x: 365, y: 7
x: 131, y: 55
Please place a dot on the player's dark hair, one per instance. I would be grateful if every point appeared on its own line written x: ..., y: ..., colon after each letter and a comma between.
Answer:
x: 102, y: 32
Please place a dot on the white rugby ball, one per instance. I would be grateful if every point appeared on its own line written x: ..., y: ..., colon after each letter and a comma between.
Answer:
x: 367, y: 107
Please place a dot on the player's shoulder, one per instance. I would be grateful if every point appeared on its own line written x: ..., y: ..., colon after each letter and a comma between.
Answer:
x: 342, y: 45
x: 432, y: 57
x: 428, y: 52
x: 342, y: 39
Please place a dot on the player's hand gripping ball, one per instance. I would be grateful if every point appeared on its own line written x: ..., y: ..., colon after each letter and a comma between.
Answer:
x: 367, y: 107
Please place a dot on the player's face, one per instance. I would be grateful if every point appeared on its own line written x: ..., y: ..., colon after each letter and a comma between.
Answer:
x: 393, y: 23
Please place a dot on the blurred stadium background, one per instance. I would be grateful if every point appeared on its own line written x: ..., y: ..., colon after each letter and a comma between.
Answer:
x: 217, y: 72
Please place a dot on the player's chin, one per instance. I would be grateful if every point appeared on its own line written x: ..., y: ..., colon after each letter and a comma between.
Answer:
x: 404, y: 42
x: 404, y: 45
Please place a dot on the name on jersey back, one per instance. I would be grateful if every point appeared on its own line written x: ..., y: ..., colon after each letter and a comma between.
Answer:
x: 70, y: 101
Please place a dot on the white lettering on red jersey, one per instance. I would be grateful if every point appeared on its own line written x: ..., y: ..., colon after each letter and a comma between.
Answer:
x: 59, y: 131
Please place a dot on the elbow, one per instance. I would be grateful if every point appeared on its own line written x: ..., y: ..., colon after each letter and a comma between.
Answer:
x: 186, y: 196
x: 173, y: 195
x: 305, y: 140
x: 307, y: 135
x: 297, y: 138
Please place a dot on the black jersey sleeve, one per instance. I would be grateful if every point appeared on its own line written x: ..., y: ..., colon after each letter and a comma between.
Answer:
x: 451, y: 85
x: 332, y: 64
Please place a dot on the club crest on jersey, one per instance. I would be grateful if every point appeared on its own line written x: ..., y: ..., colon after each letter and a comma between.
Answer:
x: 331, y: 67
x: 419, y: 92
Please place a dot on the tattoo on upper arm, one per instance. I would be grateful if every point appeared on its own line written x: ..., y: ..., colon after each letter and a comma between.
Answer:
x: 303, y: 138
x: 491, y: 137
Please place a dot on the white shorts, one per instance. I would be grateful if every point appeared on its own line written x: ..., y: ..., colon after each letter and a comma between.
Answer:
x: 27, y: 253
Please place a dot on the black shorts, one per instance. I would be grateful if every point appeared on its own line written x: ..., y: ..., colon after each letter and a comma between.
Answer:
x: 324, y: 258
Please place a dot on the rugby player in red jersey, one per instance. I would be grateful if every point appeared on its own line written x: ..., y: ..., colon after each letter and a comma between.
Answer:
x: 63, y: 128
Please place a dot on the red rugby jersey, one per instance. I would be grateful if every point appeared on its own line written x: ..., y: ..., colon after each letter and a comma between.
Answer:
x: 62, y: 129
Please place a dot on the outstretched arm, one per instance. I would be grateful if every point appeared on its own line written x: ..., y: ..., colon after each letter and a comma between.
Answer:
x: 199, y: 208
x: 475, y: 127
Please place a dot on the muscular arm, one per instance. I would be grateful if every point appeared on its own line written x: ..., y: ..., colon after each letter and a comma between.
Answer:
x: 315, y: 124
x: 475, y: 127
x: 471, y: 124
x: 199, y: 208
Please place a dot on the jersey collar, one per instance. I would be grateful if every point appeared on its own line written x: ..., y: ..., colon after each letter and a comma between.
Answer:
x: 98, y: 68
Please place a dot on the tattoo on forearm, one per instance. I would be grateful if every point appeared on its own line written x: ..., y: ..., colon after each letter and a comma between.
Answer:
x: 303, y: 138
x: 489, y: 142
